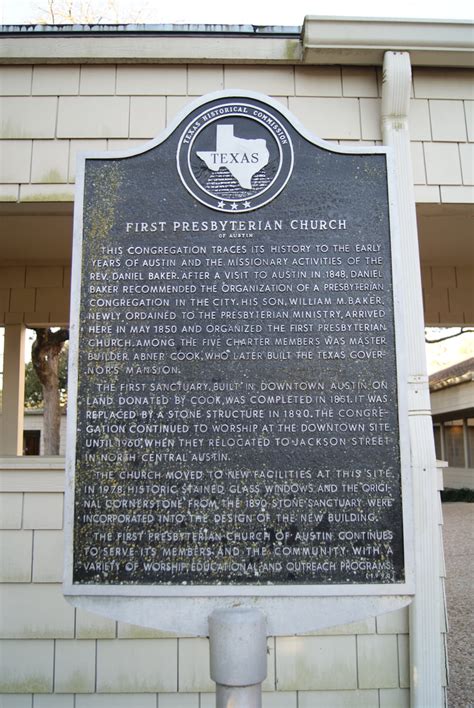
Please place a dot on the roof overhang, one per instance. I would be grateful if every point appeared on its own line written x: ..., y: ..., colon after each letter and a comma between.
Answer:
x: 453, y: 402
x: 352, y: 40
x: 321, y: 40
x: 468, y: 377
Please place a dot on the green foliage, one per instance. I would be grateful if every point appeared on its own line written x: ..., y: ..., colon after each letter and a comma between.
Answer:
x: 33, y: 388
x: 458, y: 495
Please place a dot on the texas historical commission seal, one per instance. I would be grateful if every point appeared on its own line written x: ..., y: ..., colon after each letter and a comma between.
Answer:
x: 235, y: 157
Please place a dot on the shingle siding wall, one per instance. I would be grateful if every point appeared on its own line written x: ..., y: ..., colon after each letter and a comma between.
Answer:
x: 39, y: 295
x: 447, y: 295
x: 48, y: 113
x: 51, y: 653
x: 34, y: 295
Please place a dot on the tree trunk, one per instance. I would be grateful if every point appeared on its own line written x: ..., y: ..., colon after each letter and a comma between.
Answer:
x: 45, y: 358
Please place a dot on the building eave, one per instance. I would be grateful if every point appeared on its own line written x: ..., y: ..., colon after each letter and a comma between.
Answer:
x: 321, y: 40
x: 455, y: 381
x: 352, y: 40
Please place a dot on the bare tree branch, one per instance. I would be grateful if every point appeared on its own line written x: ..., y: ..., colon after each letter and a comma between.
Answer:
x: 51, y: 10
x: 92, y: 12
x: 462, y: 330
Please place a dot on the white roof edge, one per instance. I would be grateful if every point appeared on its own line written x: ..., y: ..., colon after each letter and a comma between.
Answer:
x: 365, y: 40
x: 149, y: 28
x: 324, y: 40
x: 404, y: 20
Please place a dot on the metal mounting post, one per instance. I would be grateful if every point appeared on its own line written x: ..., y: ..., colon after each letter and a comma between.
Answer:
x: 238, y: 647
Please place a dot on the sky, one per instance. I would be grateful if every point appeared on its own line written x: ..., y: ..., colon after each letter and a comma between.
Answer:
x: 259, y: 12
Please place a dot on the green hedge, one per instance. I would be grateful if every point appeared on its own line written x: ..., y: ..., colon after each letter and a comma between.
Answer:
x: 457, y: 495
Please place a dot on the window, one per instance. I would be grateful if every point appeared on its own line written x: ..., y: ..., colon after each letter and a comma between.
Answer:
x: 454, y: 443
x: 31, y: 442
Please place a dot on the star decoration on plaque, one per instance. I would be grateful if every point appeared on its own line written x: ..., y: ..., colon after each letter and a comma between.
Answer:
x: 233, y: 206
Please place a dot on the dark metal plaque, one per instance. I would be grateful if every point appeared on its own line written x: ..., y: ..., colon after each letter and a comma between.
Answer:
x: 237, y: 396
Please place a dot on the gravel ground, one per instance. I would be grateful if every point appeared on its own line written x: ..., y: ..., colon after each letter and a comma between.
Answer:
x: 459, y: 555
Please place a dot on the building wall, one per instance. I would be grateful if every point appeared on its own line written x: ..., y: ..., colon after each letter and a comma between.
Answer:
x: 34, y: 420
x: 48, y: 113
x: 35, y: 295
x: 453, y: 398
x: 47, y: 646
x: 454, y: 436
x: 447, y: 294
x: 458, y: 477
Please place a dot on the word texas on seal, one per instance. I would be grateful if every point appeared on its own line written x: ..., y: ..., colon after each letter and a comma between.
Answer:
x: 235, y: 158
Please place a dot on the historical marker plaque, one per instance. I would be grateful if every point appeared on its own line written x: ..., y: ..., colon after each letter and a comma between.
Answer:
x: 237, y: 395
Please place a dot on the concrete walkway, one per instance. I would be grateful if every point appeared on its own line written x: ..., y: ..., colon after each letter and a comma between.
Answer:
x: 459, y: 556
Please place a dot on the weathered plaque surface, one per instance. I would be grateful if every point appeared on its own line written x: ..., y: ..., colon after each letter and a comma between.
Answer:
x: 238, y: 409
